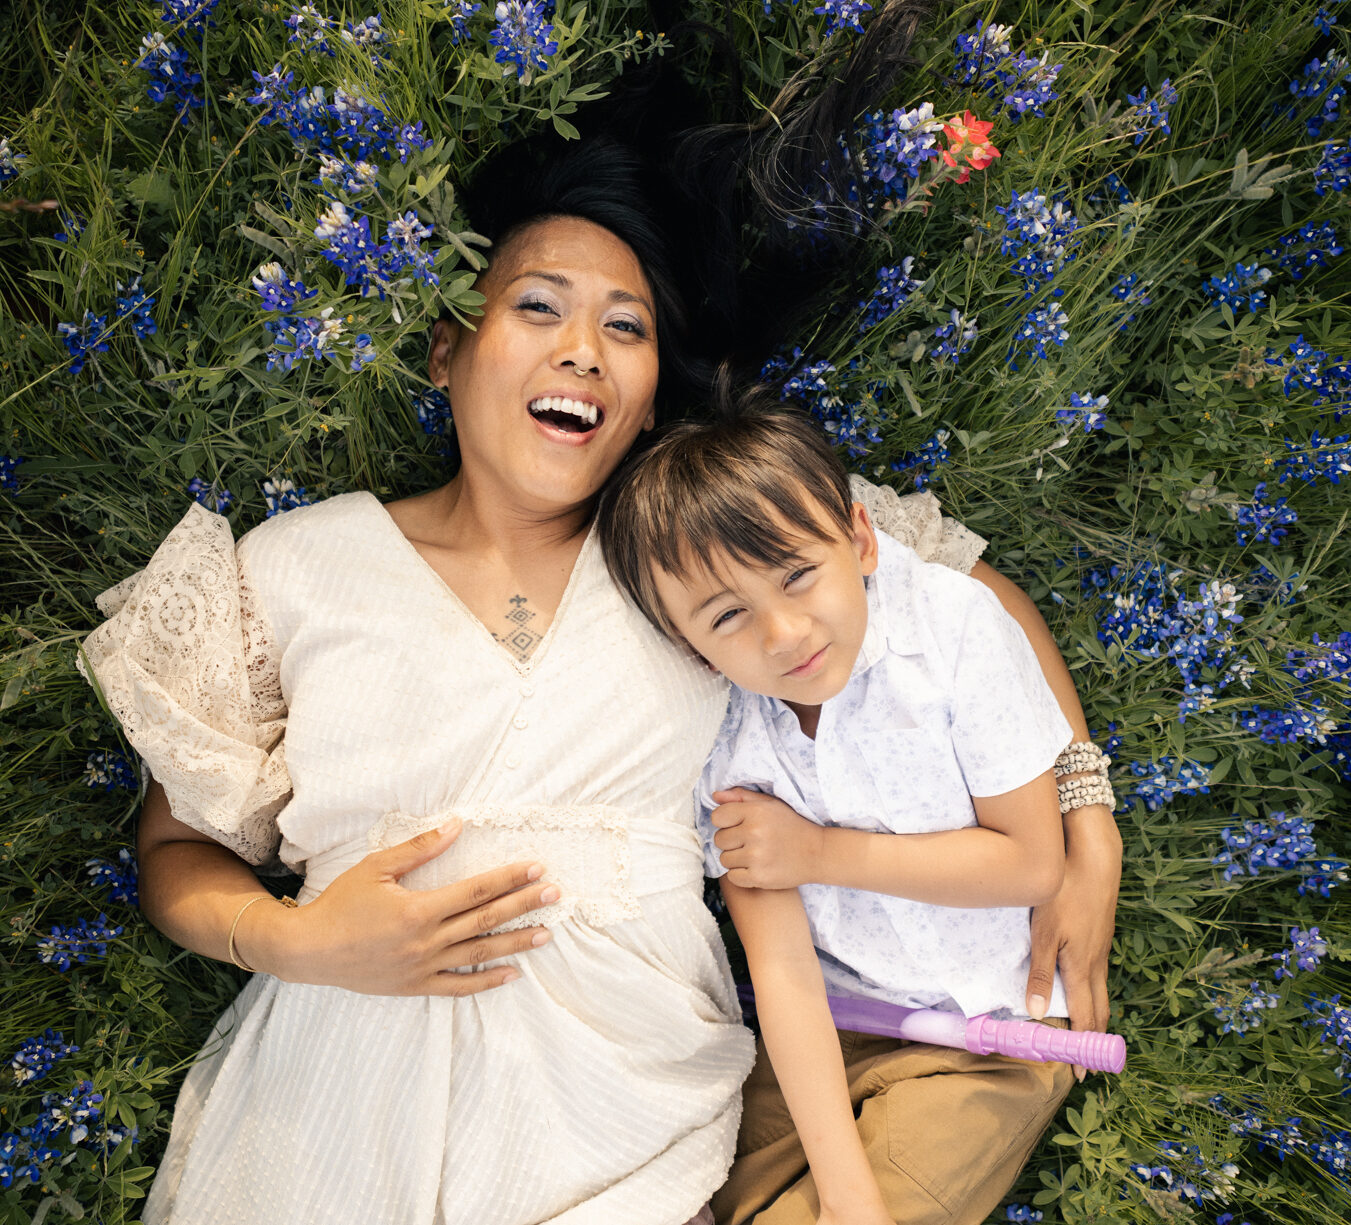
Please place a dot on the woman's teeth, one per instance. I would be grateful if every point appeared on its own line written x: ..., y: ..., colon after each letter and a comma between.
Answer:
x: 579, y: 411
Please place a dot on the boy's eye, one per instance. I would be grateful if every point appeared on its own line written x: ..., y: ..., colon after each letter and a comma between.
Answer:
x: 800, y: 572
x: 724, y: 617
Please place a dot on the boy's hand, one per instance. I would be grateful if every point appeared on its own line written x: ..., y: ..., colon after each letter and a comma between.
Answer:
x: 764, y: 844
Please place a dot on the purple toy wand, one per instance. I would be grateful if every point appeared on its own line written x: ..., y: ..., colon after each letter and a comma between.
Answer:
x: 981, y: 1035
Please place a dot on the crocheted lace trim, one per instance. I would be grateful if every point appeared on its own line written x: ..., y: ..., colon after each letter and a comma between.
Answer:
x: 917, y: 520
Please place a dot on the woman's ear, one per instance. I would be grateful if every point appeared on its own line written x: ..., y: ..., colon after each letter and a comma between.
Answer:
x: 445, y: 334
x: 864, y: 539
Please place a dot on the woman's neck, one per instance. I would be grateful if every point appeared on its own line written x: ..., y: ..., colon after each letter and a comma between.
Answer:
x: 471, y: 519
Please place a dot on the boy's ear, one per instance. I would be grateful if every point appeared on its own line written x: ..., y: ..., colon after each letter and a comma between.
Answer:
x: 445, y: 335
x: 864, y: 539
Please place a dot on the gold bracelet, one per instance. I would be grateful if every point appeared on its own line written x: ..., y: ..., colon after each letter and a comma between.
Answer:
x: 288, y: 902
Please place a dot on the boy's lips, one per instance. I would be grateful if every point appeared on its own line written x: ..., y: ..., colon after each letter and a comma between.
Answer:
x: 809, y: 666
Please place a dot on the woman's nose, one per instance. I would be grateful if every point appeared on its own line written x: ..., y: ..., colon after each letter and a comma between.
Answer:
x: 578, y: 348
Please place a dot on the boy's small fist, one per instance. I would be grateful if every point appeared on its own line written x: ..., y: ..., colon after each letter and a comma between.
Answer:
x: 763, y: 843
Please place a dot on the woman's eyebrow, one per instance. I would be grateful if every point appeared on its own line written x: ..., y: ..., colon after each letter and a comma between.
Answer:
x: 557, y: 278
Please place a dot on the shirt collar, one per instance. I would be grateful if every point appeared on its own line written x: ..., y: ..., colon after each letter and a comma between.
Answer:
x: 892, y: 622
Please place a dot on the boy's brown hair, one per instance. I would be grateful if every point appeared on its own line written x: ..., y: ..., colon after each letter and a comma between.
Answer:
x: 736, y: 486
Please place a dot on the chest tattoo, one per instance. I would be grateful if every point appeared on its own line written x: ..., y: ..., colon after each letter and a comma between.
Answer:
x: 518, y: 637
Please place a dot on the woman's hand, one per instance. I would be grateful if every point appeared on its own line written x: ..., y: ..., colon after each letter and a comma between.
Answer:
x: 1074, y: 929
x: 367, y: 933
x: 764, y: 843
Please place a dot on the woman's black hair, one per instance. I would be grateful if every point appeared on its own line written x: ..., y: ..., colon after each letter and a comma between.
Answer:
x: 715, y: 212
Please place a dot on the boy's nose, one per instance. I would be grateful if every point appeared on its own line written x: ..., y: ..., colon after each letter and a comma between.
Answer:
x: 783, y: 631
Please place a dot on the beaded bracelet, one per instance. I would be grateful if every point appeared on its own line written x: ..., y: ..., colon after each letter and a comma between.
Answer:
x: 289, y: 902
x: 1081, y: 792
x: 1082, y: 757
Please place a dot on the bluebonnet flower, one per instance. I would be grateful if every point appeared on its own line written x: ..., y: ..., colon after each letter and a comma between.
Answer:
x: 363, y: 352
x: 23, y: 1154
x: 281, y: 494
x: 1148, y: 114
x: 1087, y: 411
x: 1132, y: 296
x: 74, y: 945
x: 118, y: 879
x: 1307, y: 949
x: 1041, y: 235
x: 1333, y: 169
x: 1194, y: 1184
x: 1327, y: 81
x: 1323, y: 21
x: 1291, y: 724
x: 1113, y: 188
x: 1018, y: 82
x: 72, y: 226
x: 37, y: 1056
x: 317, y: 337
x: 1160, y: 782
x: 892, y: 291
x: 459, y: 18
x: 9, y: 161
x: 170, y: 74
x: 1261, y: 520
x: 1241, y: 289
x: 1278, y: 844
x: 1308, y: 369
x: 843, y: 15
x: 955, y: 338
x: 311, y: 28
x: 403, y: 253
x: 1332, y: 1019
x: 342, y: 174
x: 1323, y: 458
x: 894, y: 149
x: 522, y: 38
x: 1241, y: 1013
x: 1332, y: 1150
x: 73, y: 1111
x: 8, y: 481
x: 134, y: 303
x: 212, y: 496
x: 1331, y: 663
x: 368, y: 36
x: 277, y: 290
x: 848, y: 425
x: 433, y: 410
x: 350, y: 245
x: 191, y: 15
x: 109, y: 769
x: 84, y: 339
x: 1045, y: 324
x: 924, y: 463
x: 1308, y: 247
x: 1021, y: 1212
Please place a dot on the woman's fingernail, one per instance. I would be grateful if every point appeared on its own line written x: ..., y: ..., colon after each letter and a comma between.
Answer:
x: 540, y: 938
x: 1036, y: 1007
x: 451, y: 827
x: 551, y: 894
x: 511, y: 976
x: 534, y: 871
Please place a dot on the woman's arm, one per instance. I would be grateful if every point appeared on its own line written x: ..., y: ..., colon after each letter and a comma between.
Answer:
x: 1015, y: 856
x: 365, y: 932
x: 1074, y: 929
x: 803, y: 1046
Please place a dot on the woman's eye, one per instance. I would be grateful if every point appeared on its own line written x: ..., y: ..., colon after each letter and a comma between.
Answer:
x: 633, y: 326
x: 536, y: 306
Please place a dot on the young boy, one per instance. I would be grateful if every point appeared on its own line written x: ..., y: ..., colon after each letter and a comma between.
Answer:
x: 880, y: 806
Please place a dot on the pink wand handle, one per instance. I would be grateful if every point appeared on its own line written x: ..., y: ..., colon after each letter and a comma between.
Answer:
x: 981, y: 1035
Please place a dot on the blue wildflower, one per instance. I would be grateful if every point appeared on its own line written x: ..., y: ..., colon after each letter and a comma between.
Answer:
x: 1016, y: 81
x: 1021, y: 1212
x: 108, y: 769
x: 1242, y: 1012
x: 212, y: 496
x: 1148, y: 114
x: 314, y: 338
x: 281, y: 495
x: 37, y: 1056
x: 923, y: 464
x: 310, y: 28
x: 1327, y: 81
x: 1132, y: 295
x: 8, y: 481
x: 892, y: 291
x: 1332, y: 1019
x: 433, y: 410
x: 343, y: 174
x: 72, y: 226
x: 1307, y: 949
x: 9, y: 161
x: 1041, y: 326
x: 843, y: 15
x: 73, y: 1111
x: 459, y: 18
x: 276, y: 288
x: 1290, y: 724
x: 74, y: 945
x: 368, y: 36
x: 1263, y: 521
x: 1329, y: 661
x: 1278, y: 844
x: 522, y: 38
x: 193, y: 15
x: 170, y: 74
x: 1334, y: 168
x: 84, y: 339
x: 1086, y: 411
x: 894, y: 149
x: 1324, y: 21
x: 1041, y: 235
x: 954, y: 339
x: 1309, y: 369
x: 1240, y: 289
x: 1160, y: 782
x: 134, y: 303
x: 1311, y: 246
x: 1322, y: 458
x: 119, y: 879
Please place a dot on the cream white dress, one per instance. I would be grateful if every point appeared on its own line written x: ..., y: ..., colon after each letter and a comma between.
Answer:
x: 317, y: 692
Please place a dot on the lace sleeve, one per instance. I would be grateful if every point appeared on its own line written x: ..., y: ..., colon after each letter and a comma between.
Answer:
x: 187, y: 664
x: 917, y: 520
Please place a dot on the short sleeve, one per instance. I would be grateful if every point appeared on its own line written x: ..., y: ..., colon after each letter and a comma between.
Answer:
x: 187, y: 664
x: 1007, y: 726
x: 703, y: 808
x: 917, y: 520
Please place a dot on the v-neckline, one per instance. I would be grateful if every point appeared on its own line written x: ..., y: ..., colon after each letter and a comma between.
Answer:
x: 522, y: 667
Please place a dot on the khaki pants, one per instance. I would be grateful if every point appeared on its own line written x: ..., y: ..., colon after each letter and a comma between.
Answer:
x: 946, y: 1133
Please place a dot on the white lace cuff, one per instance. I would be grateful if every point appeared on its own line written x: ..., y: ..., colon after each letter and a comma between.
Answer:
x: 917, y: 520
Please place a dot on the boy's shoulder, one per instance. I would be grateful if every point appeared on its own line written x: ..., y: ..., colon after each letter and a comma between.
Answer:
x: 922, y: 603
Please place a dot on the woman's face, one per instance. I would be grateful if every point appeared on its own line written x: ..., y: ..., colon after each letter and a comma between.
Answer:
x: 555, y: 383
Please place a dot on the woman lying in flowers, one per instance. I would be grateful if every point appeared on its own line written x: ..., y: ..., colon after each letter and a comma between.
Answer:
x: 500, y: 997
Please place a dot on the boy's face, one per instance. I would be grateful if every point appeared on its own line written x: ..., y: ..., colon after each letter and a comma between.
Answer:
x: 791, y: 632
